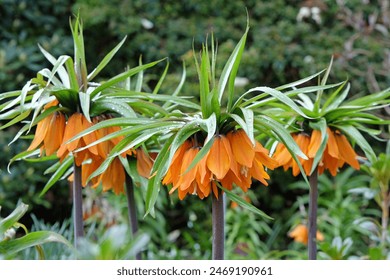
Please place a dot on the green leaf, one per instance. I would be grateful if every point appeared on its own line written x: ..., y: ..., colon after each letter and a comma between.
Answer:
x: 321, y: 125
x: 299, y: 82
x: 79, y: 52
x: 249, y: 119
x: 178, y: 88
x: 21, y: 156
x: 332, y: 103
x: 159, y: 169
x: 323, y: 82
x: 140, y: 78
x: 160, y: 97
x: 281, y: 97
x: 121, y: 77
x: 181, y: 136
x: 240, y: 201
x: 12, y: 218
x: 68, y: 98
x: 161, y: 80
x: 17, y: 119
x: 30, y: 240
x: 232, y: 65
x: 105, y: 60
x: 85, y: 104
x: 114, y: 106
x: 74, y: 84
x: 62, y: 168
x: 58, y: 65
x: 205, y: 98
x: 201, y: 154
x: 230, y: 70
x: 356, y: 136
x: 209, y: 125
x: 112, y: 122
x: 10, y: 94
x: 371, y: 99
x: 284, y: 137
x: 60, y: 68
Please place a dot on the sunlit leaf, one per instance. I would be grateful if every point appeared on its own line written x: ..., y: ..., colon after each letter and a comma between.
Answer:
x: 12, y: 218
x: 29, y: 240
x: 63, y: 167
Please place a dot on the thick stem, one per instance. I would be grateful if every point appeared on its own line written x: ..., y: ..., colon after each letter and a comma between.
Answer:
x: 385, y: 218
x: 312, y: 242
x: 77, y: 205
x: 218, y: 220
x: 132, y: 210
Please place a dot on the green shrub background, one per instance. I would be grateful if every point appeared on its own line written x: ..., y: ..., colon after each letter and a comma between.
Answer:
x: 279, y: 49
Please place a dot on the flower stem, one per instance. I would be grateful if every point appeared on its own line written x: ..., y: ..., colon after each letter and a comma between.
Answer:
x: 313, y: 196
x: 77, y: 205
x: 132, y: 209
x: 218, y: 220
x: 385, y: 216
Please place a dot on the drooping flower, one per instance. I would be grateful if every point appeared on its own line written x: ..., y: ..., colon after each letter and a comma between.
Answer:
x: 233, y: 160
x: 338, y: 151
x: 300, y: 234
x: 49, y: 132
x: 144, y: 162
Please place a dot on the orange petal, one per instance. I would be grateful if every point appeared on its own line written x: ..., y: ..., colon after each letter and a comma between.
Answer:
x: 90, y: 138
x: 40, y: 133
x: 242, y: 147
x: 315, y: 142
x: 346, y: 151
x: 188, y: 176
x: 55, y: 133
x: 300, y: 234
x: 219, y: 157
x: 332, y: 144
x: 75, y: 124
x: 262, y: 156
x: 282, y: 155
x: 144, y: 163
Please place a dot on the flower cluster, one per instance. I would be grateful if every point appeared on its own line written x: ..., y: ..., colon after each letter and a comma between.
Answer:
x: 53, y: 134
x: 232, y: 159
x: 338, y: 151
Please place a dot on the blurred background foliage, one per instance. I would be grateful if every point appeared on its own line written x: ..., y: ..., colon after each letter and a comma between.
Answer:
x: 288, y: 40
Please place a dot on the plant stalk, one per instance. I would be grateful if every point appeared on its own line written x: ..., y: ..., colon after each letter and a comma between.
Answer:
x: 77, y: 205
x: 313, y: 205
x: 132, y: 210
x: 218, y: 220
x: 385, y: 217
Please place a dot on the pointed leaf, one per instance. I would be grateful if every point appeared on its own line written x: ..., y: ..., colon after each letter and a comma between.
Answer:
x: 230, y: 68
x: 29, y: 240
x: 105, y: 60
x: 12, y: 218
x: 240, y: 201
x: 121, y: 77
x: 64, y: 166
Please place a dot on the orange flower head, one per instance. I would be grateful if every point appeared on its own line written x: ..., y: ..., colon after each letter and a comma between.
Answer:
x: 337, y: 152
x: 224, y: 163
x: 300, y: 234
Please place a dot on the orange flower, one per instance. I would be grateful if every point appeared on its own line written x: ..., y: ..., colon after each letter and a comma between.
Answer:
x: 49, y: 132
x: 232, y: 160
x: 338, y: 151
x: 301, y: 234
x: 144, y: 162
x: 91, y: 158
